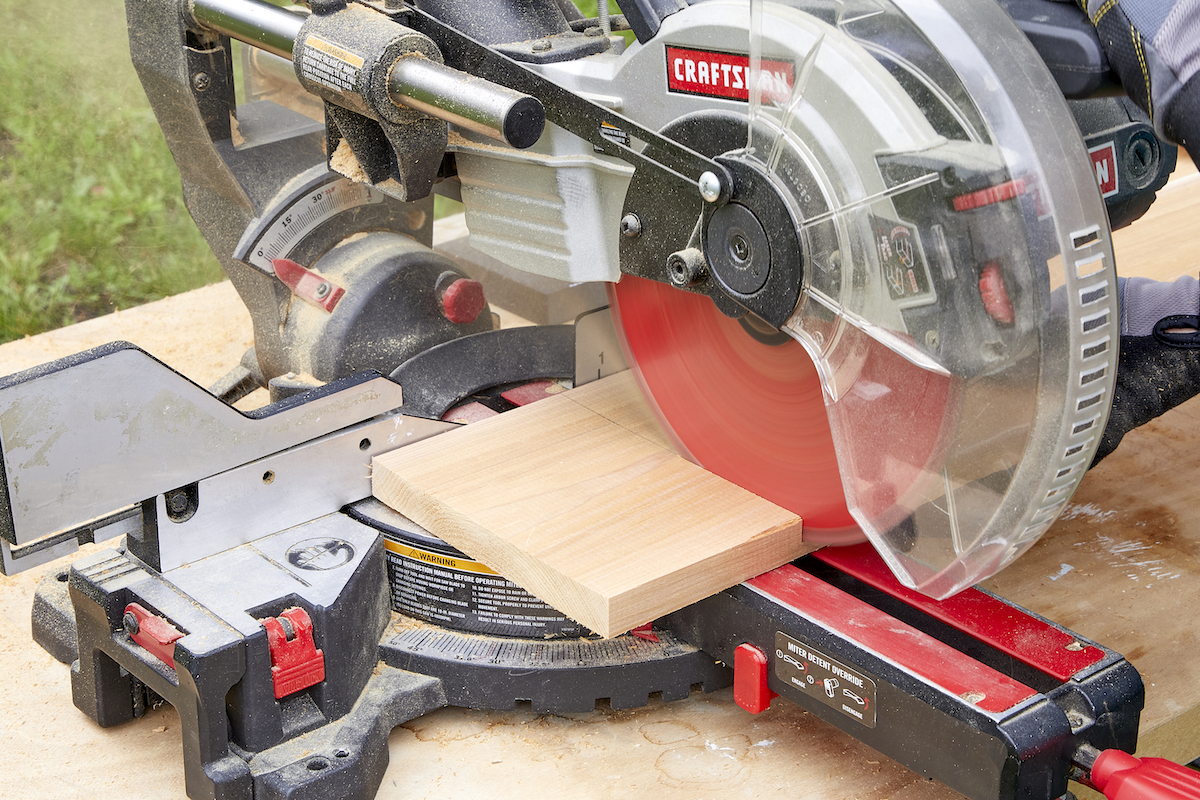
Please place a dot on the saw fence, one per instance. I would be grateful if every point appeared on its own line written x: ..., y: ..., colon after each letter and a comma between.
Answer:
x: 1122, y: 567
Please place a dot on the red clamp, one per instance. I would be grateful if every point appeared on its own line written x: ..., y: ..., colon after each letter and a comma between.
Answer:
x: 750, y: 667
x: 296, y: 663
x: 1121, y: 776
x: 153, y: 633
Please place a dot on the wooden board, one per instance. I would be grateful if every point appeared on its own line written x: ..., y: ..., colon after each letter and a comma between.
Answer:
x: 579, y: 499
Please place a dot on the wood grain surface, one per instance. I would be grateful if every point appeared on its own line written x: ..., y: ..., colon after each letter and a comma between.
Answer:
x: 597, y: 518
x: 1122, y: 566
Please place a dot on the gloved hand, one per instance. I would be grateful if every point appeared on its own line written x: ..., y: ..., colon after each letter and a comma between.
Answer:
x: 1159, y: 364
x: 1154, y: 47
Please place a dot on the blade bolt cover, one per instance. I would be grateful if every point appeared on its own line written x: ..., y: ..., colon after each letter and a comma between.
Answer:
x: 686, y: 267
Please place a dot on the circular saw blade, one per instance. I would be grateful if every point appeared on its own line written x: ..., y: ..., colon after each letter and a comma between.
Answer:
x: 748, y: 411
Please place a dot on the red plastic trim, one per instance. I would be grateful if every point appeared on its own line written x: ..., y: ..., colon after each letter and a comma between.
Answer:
x: 1030, y: 640
x: 915, y: 651
x: 989, y: 196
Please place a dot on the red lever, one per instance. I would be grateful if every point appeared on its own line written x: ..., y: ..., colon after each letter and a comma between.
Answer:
x: 1121, y: 776
x: 296, y: 663
x: 308, y: 285
x: 750, y: 666
x: 153, y: 633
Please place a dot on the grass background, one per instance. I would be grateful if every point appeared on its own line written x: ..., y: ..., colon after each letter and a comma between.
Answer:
x: 91, y: 216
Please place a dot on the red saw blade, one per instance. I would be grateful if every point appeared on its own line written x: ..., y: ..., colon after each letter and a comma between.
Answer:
x: 748, y: 411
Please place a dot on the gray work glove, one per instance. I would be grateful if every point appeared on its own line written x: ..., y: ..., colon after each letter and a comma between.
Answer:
x: 1159, y: 364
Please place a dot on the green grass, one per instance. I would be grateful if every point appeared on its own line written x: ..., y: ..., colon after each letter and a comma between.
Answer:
x: 91, y: 215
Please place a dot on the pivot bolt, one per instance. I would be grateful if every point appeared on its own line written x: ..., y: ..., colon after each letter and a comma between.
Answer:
x: 631, y: 226
x: 710, y: 187
x: 131, y: 623
x: 686, y: 267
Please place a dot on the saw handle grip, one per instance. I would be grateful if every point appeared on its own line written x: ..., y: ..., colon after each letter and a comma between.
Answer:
x: 1121, y: 776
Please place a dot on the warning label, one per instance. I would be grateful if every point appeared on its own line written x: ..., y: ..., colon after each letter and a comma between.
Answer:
x: 825, y: 679
x: 328, y: 64
x: 717, y: 74
x: 462, y: 593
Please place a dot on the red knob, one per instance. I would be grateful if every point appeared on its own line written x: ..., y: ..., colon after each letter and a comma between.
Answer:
x: 463, y: 301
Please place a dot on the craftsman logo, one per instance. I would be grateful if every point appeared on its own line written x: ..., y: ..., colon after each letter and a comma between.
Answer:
x: 813, y: 673
x: 716, y: 74
x: 321, y: 553
x: 1104, y: 159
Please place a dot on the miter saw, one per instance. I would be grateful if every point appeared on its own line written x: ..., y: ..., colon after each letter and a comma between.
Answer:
x: 871, y: 222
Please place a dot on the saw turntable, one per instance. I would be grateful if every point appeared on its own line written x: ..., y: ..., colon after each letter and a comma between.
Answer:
x: 853, y: 252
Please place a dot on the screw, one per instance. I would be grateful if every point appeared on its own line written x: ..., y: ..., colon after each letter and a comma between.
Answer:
x: 322, y: 290
x: 739, y: 248
x: 177, y: 501
x: 710, y: 187
x: 631, y: 226
x: 1076, y: 646
x: 131, y: 623
x: 686, y: 267
x: 201, y: 81
x: 592, y: 31
x: 541, y: 45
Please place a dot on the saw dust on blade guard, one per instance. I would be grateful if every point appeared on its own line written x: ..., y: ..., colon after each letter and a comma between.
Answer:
x: 949, y: 357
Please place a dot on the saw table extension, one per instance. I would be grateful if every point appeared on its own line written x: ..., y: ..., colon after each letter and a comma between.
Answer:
x: 1122, y: 567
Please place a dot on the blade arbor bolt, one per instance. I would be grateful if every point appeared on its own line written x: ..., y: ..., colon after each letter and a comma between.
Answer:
x: 686, y: 267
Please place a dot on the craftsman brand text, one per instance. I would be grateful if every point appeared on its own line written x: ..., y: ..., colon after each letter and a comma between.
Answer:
x: 726, y: 75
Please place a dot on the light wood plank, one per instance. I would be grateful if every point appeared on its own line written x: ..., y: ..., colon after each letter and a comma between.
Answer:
x: 579, y: 499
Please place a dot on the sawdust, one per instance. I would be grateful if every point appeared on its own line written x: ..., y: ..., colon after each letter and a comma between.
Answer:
x: 345, y: 162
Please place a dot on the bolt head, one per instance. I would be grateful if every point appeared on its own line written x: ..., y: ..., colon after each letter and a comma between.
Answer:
x: 710, y: 187
x: 177, y: 502
x: 322, y: 290
x: 131, y: 623
x: 631, y: 226
x: 201, y: 81
x: 541, y: 45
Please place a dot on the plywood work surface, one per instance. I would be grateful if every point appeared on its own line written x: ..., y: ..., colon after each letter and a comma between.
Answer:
x: 580, y: 500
